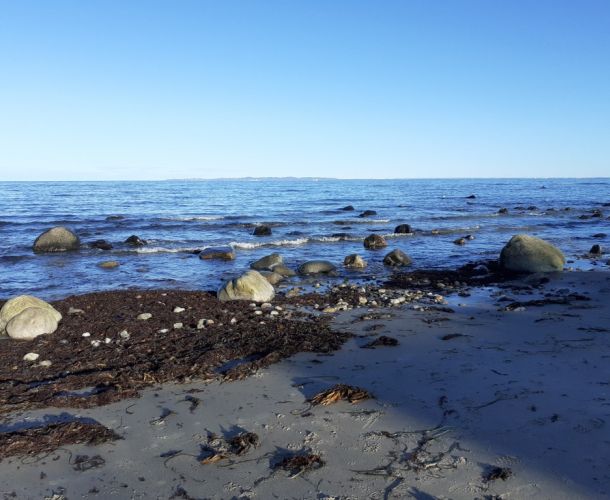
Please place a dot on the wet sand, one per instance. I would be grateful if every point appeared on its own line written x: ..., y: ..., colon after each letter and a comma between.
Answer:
x: 505, y: 396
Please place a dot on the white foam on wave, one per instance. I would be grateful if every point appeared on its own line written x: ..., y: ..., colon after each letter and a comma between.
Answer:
x: 168, y: 250
x: 280, y: 243
x: 194, y: 218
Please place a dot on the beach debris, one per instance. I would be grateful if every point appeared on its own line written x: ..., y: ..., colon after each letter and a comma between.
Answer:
x: 300, y: 463
x: 493, y: 473
x: 384, y: 340
x: 162, y: 419
x: 144, y: 316
x: 47, y: 438
x: 340, y: 392
x: 85, y: 462
x: 31, y: 356
x: 218, y: 448
x: 195, y: 402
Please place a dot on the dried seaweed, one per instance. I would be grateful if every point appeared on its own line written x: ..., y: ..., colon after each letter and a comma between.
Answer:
x: 495, y: 473
x: 300, y: 463
x: 340, y: 392
x: 384, y: 340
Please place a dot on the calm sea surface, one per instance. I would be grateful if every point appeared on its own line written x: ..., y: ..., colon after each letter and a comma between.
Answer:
x: 180, y: 217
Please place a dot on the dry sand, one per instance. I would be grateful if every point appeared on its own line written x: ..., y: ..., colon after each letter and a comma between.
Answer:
x: 526, y: 391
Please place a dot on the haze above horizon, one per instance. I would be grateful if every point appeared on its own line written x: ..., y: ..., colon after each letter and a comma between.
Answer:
x: 153, y: 90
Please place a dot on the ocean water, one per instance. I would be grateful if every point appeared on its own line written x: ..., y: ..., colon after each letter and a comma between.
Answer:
x: 180, y: 217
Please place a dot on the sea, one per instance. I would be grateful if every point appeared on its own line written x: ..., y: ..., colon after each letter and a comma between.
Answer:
x: 178, y: 218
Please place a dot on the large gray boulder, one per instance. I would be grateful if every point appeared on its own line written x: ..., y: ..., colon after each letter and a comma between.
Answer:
x: 268, y: 262
x: 57, y: 239
x: 374, y: 241
x: 16, y: 305
x: 528, y: 254
x: 354, y: 261
x: 30, y: 323
x: 249, y: 286
x: 397, y: 258
x: 316, y: 267
x: 217, y: 253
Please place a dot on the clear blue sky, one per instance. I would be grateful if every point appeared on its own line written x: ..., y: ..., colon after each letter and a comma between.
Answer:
x: 120, y: 89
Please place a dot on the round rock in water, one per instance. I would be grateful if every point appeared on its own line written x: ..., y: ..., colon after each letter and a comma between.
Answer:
x: 268, y: 262
x: 367, y: 213
x: 135, y: 241
x: 283, y: 270
x: 403, y: 229
x: 596, y: 250
x: 101, y: 245
x: 16, y: 305
x: 397, y: 258
x: 249, y: 286
x: 30, y: 323
x: 218, y: 253
x: 57, y: 239
x: 272, y: 277
x: 528, y: 254
x: 316, y: 267
x: 109, y: 264
x: 348, y: 208
x: 355, y: 261
x: 374, y: 241
x: 262, y: 230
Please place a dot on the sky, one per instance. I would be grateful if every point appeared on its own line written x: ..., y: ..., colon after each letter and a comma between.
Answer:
x: 117, y: 89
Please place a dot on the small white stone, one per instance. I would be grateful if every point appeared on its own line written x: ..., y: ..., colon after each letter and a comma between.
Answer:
x: 258, y: 313
x: 108, y: 340
x: 362, y: 300
x: 252, y: 305
x: 163, y: 330
x: 177, y: 326
x: 179, y: 309
x: 144, y: 316
x: 86, y: 334
x: 278, y: 308
x: 266, y: 305
x: 95, y: 343
x: 31, y: 356
x: 274, y: 313
x: 124, y: 335
x: 45, y: 364
x: 209, y: 322
x: 233, y: 321
x: 201, y: 324
x: 74, y: 310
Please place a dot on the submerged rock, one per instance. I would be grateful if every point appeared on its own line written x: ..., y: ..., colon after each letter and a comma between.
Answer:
x: 374, y: 241
x: 367, y: 213
x: 316, y: 267
x: 272, y: 277
x: 524, y: 253
x: 18, y: 304
x: 109, y: 264
x: 354, y: 261
x: 262, y: 230
x: 284, y: 271
x: 459, y: 241
x: 348, y: 208
x: 101, y: 245
x: 503, y: 211
x: 219, y: 253
x: 268, y: 262
x: 596, y: 250
x: 249, y: 286
x: 57, y: 239
x: 397, y: 258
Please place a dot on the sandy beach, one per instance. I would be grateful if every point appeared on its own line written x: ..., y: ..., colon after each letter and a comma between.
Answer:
x: 502, y: 392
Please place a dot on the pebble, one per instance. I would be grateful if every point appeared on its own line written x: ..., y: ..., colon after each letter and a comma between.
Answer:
x: 209, y: 322
x: 95, y: 343
x: 74, y: 310
x: 258, y: 312
x: 274, y: 313
x: 177, y: 326
x: 124, y: 335
x: 144, y: 316
x: 179, y: 309
x: 107, y: 340
x: 45, y: 364
x: 31, y: 356
x: 362, y: 300
x: 266, y: 305
x: 201, y: 324
x: 233, y: 321
x: 163, y: 330
x: 86, y: 334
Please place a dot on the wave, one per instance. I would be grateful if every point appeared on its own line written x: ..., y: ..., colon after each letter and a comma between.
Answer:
x: 166, y: 250
x: 348, y: 222
x: 192, y: 218
x: 280, y: 243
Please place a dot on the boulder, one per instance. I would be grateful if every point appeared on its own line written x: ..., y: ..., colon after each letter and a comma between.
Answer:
x: 355, y: 261
x: 16, y: 305
x: 397, y: 258
x: 272, y: 277
x: 101, y: 245
x: 375, y: 241
x: 503, y: 211
x: 403, y: 229
x: 348, y: 208
x: 115, y: 217
x: 284, y: 271
x: 471, y: 197
x: 249, y: 286
x: 268, y: 262
x: 57, y: 239
x: 528, y: 254
x: 220, y: 253
x: 459, y: 241
x: 316, y: 267
x: 135, y: 241
x: 367, y: 213
x: 30, y: 323
x: 262, y: 230
x: 596, y: 250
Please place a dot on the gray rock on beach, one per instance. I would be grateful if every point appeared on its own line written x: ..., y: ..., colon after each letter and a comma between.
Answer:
x: 354, y: 261
x: 268, y: 262
x: 26, y: 317
x: 397, y: 258
x: 316, y: 267
x: 528, y: 254
x: 249, y: 286
x: 218, y: 253
x: 57, y: 239
x: 375, y: 241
